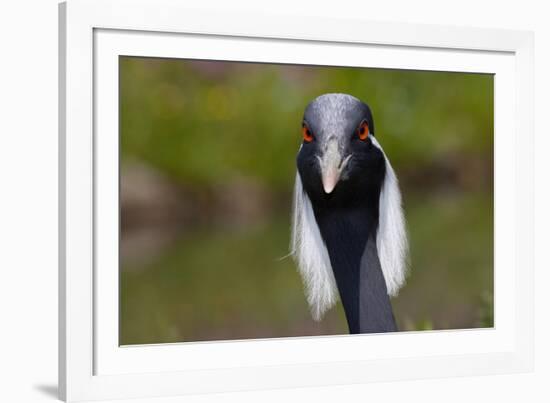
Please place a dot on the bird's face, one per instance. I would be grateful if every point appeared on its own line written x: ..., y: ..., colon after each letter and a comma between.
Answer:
x: 339, y: 161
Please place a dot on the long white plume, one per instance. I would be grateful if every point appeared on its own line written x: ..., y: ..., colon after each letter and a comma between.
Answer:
x: 311, y: 255
x: 391, y: 238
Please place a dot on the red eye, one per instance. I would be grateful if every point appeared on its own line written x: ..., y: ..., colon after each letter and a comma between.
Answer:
x: 363, y: 130
x: 307, y: 134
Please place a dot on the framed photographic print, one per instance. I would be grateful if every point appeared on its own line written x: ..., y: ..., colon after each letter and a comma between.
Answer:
x: 252, y: 202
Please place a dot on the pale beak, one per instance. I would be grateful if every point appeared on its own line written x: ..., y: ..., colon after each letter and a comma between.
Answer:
x: 331, y: 166
x: 330, y: 179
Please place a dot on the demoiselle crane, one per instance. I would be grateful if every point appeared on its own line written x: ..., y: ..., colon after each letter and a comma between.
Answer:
x: 348, y: 234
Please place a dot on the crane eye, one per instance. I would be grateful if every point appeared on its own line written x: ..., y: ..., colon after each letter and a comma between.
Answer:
x: 363, y: 130
x: 307, y: 134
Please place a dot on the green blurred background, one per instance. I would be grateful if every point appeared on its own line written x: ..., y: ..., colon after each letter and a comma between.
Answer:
x: 207, y: 168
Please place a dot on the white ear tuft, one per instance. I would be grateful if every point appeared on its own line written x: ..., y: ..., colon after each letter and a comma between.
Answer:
x: 311, y: 255
x: 391, y: 238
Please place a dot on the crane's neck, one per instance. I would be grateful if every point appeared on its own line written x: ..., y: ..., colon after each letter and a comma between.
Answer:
x: 350, y: 237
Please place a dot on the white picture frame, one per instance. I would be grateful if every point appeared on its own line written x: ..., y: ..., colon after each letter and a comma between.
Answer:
x: 93, y: 33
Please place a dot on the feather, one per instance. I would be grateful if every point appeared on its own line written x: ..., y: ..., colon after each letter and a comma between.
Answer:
x: 391, y: 237
x: 311, y: 255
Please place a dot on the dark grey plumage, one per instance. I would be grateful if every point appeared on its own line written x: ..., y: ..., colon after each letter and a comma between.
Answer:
x: 348, y: 208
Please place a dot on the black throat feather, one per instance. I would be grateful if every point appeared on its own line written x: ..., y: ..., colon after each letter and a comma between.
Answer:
x: 348, y: 228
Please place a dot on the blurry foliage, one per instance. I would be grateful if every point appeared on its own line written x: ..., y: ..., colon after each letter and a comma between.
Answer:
x: 246, y: 118
x: 208, y: 125
x: 226, y: 284
x: 486, y: 310
x: 232, y: 284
